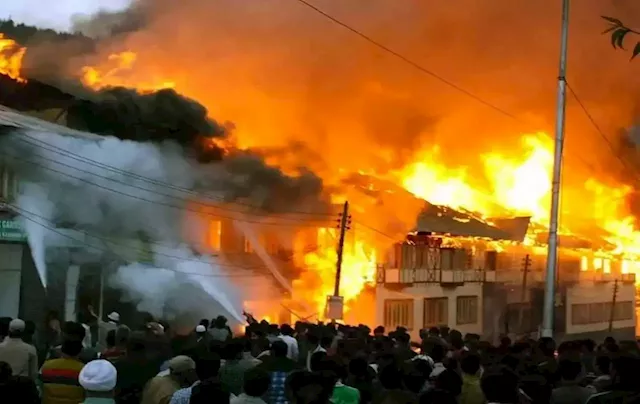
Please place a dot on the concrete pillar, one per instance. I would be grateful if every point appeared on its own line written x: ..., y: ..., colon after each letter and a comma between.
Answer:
x: 71, y: 288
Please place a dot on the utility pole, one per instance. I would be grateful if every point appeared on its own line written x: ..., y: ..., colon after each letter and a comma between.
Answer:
x: 552, y: 260
x: 345, y: 220
x: 613, y: 305
x: 526, y: 264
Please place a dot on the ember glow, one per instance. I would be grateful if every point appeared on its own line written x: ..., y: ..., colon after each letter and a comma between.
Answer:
x: 11, y: 55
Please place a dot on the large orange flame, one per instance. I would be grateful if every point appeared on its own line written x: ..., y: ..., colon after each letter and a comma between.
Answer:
x: 11, y: 55
x: 115, y: 75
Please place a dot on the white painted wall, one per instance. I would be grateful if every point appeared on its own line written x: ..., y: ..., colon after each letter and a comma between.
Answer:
x: 418, y: 292
x: 594, y: 292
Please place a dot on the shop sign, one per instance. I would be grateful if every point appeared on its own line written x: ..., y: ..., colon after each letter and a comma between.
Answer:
x: 11, y: 230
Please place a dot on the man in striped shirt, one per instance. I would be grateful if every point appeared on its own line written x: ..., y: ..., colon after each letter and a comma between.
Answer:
x: 59, y: 377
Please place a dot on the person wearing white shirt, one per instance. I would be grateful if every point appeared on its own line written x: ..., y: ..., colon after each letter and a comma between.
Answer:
x: 292, y: 343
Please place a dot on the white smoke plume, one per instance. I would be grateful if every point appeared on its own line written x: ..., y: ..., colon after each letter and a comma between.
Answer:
x: 112, y: 191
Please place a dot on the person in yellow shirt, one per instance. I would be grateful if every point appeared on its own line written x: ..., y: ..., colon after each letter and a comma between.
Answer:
x: 471, y: 390
x: 59, y: 377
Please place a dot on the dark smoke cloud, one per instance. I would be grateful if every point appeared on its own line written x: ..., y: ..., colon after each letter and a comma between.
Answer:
x: 157, y: 116
x: 270, y: 188
x: 104, y: 24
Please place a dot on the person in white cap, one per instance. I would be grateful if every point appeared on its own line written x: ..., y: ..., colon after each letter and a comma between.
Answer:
x: 201, y: 333
x: 98, y: 379
x: 21, y: 356
x: 112, y: 323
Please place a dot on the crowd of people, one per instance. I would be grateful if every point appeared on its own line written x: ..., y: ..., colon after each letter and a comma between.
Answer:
x: 303, y: 364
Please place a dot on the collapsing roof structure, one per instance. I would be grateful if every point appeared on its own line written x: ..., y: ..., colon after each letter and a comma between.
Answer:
x: 440, y: 219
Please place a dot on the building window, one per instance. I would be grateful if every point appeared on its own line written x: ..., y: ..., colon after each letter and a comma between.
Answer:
x: 215, y: 234
x: 436, y: 312
x: 467, y: 310
x: 398, y: 313
x: 591, y: 313
x: 623, y: 311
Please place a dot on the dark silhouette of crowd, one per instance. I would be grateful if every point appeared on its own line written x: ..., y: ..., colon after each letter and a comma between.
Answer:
x: 306, y: 364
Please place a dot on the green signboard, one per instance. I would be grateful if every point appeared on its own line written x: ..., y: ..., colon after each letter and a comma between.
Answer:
x: 11, y: 230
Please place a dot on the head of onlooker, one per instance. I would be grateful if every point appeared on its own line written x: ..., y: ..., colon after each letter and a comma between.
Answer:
x: 390, y: 377
x: 317, y: 360
x: 233, y: 349
x: 114, y: 317
x: 201, y: 330
x: 98, y: 379
x: 209, y: 390
x: 287, y: 330
x: 450, y: 381
x: 307, y: 388
x: 205, y: 323
x: 71, y: 349
x: 470, y: 364
x: 569, y: 368
x: 438, y: 353
x: 182, y: 369
x: 279, y: 349
x: 500, y: 385
x: 219, y: 322
x: 16, y: 328
x: 256, y: 382
x: 74, y: 331
x: 403, y: 340
x: 379, y: 331
x: 207, y: 367
x: 547, y: 347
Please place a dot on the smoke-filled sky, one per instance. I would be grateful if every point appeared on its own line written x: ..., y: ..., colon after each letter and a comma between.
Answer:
x: 55, y: 15
x: 282, y: 72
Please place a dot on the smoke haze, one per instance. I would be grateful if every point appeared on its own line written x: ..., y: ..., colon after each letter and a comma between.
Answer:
x: 114, y: 191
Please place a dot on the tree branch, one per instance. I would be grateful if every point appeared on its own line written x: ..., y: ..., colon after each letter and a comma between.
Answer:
x: 619, y: 31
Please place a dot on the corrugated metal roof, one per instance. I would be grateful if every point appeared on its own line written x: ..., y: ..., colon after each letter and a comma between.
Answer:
x: 9, y: 117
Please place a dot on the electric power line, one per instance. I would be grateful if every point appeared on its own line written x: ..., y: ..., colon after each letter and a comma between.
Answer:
x: 359, y: 223
x: 598, y: 129
x: 107, y: 167
x: 407, y: 60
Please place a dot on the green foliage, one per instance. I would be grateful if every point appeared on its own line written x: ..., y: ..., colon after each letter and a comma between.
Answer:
x: 23, y: 34
x: 619, y: 32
